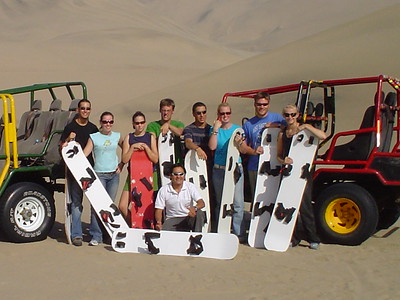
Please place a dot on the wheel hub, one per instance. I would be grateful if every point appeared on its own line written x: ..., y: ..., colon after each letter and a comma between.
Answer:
x: 343, y: 215
x: 29, y: 214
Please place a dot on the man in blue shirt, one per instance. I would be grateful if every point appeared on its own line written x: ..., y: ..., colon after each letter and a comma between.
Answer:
x: 253, y: 130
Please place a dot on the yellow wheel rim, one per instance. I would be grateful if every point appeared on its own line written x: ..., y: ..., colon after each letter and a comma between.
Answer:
x: 343, y: 216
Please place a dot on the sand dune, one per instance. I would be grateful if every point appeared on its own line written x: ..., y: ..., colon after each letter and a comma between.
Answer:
x: 364, y: 47
x: 132, y: 53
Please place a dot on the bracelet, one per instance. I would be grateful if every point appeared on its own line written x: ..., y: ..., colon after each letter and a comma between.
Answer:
x: 215, y: 132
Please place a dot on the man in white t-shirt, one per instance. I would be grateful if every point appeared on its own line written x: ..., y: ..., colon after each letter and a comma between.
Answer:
x: 182, y: 203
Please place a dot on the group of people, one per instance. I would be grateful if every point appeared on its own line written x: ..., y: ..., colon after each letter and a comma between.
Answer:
x: 180, y: 199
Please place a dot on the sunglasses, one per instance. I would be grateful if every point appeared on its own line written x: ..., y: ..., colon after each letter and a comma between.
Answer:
x: 228, y: 113
x: 178, y: 174
x: 201, y: 112
x: 107, y: 122
x: 287, y: 115
x: 262, y: 104
x: 84, y: 108
x: 139, y: 123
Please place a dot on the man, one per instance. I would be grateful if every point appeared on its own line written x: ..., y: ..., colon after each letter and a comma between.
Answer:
x: 79, y: 130
x: 253, y: 130
x: 162, y: 126
x: 167, y: 107
x: 182, y: 203
x: 197, y: 134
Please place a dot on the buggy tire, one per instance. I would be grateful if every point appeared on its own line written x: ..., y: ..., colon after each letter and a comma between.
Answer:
x: 346, y: 214
x: 388, y: 215
x: 27, y: 212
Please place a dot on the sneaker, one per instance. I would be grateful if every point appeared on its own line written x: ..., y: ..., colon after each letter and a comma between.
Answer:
x: 77, y: 241
x: 314, y: 246
x: 93, y: 243
x: 242, y: 239
x: 294, y: 244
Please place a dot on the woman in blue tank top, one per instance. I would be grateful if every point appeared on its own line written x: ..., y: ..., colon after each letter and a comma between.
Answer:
x: 138, y: 140
x: 103, y: 145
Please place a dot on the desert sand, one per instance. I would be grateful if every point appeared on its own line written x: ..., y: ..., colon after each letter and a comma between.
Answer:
x: 131, y: 54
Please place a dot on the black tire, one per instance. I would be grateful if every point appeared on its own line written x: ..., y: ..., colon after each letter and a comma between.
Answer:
x: 388, y: 215
x: 346, y: 214
x: 27, y: 212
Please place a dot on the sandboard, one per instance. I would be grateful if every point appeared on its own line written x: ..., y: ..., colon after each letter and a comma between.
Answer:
x: 267, y: 185
x: 166, y: 153
x: 196, y: 173
x: 94, y: 190
x: 141, y: 192
x: 230, y: 179
x: 283, y: 220
x: 177, y: 243
x: 67, y: 224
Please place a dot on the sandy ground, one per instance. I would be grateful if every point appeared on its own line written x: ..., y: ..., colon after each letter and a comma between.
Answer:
x: 52, y: 269
x: 131, y: 54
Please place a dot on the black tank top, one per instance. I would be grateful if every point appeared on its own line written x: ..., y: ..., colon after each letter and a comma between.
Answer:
x: 286, y: 143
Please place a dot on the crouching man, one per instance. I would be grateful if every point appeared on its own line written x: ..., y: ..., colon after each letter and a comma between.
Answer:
x: 182, y: 203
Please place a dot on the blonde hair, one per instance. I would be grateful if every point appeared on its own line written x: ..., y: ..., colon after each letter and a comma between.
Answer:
x: 290, y: 106
x: 224, y: 104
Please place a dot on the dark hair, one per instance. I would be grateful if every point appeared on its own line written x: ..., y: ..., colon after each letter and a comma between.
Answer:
x: 138, y: 114
x: 82, y: 101
x: 198, y: 104
x: 178, y: 166
x: 262, y: 95
x: 106, y: 113
x: 167, y: 102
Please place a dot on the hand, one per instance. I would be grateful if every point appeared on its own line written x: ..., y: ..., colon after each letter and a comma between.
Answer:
x: 239, y: 139
x: 287, y: 161
x: 259, y: 150
x: 138, y: 146
x: 201, y: 154
x: 119, y: 168
x: 164, y: 128
x: 192, y: 212
x: 217, y: 125
x: 272, y: 125
x: 72, y: 136
x: 158, y: 226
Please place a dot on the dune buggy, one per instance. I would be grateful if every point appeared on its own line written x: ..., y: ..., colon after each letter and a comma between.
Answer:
x: 30, y: 161
x: 356, y: 179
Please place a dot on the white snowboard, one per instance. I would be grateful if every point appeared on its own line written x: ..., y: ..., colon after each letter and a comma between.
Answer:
x: 95, y: 192
x: 166, y: 152
x: 196, y: 173
x: 267, y: 185
x: 283, y: 220
x: 226, y: 211
x: 178, y: 243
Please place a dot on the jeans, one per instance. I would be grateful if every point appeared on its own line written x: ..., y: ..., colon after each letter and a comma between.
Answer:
x: 238, y: 200
x: 76, y: 195
x: 110, y: 182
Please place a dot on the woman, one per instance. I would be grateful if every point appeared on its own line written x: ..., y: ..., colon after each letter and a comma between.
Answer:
x: 221, y: 132
x: 139, y: 140
x: 104, y: 146
x: 306, y: 215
